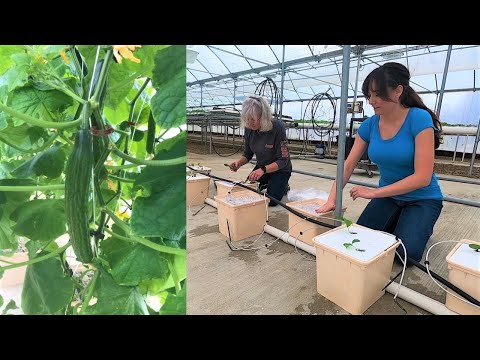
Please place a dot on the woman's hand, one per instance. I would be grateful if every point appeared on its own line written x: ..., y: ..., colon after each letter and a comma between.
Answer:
x: 255, y: 175
x: 328, y: 206
x: 362, y: 192
x: 234, y: 166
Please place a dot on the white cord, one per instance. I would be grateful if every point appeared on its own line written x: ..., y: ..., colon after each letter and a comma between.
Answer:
x: 404, y: 261
x: 443, y: 288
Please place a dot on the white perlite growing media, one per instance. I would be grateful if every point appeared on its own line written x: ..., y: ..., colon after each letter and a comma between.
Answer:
x: 310, y: 208
x: 241, y: 200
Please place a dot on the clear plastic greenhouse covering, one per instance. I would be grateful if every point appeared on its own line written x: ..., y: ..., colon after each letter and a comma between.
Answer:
x: 218, y: 74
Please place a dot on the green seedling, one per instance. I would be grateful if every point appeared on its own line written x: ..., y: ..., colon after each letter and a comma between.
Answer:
x: 475, y: 247
x: 346, y: 222
x: 349, y: 246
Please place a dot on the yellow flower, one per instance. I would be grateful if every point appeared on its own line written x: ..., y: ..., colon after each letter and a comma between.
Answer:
x: 125, y: 52
x: 64, y: 57
x: 122, y: 215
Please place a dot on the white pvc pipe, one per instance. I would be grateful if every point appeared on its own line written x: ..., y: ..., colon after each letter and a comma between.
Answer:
x: 424, y: 302
x: 282, y: 235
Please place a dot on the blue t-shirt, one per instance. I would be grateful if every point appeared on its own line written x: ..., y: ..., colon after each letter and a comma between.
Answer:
x: 395, y: 156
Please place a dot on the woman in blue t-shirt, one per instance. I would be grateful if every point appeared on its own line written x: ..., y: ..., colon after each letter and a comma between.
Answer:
x: 401, y: 138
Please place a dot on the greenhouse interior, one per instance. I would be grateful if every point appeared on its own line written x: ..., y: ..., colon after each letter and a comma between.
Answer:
x: 245, y: 257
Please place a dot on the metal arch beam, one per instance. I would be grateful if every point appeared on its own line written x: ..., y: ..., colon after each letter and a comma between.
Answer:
x: 316, y: 58
x: 288, y: 74
x: 196, y: 77
x: 242, y: 56
x: 361, y: 96
x: 190, y: 71
x: 218, y: 57
x: 208, y: 71
x: 246, y: 59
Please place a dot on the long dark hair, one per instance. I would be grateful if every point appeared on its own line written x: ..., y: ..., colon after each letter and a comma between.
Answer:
x: 389, y: 76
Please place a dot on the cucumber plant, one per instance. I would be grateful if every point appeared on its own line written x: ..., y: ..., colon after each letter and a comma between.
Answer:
x: 89, y: 184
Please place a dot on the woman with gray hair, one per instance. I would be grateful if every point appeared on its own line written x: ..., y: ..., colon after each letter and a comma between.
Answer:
x: 265, y: 138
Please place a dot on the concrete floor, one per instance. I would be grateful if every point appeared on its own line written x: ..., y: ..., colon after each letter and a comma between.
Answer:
x: 282, y: 279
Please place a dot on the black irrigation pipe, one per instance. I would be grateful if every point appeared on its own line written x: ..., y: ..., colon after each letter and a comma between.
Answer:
x: 417, y: 264
x: 271, y: 199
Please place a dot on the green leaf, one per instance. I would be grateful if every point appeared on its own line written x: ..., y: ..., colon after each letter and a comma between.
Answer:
x: 15, y: 197
x: 8, y: 242
x: 35, y: 246
x: 114, y: 299
x: 6, y: 168
x: 17, y: 135
x: 138, y: 135
x: 179, y: 243
x: 355, y: 240
x: 1, y: 298
x: 42, y: 220
x: 6, y: 51
x: 46, y: 105
x: 132, y: 263
x: 3, y: 121
x: 168, y: 104
x: 119, y: 84
x: 122, y: 76
x: 17, y: 76
x: 46, y: 289
x: 10, y: 306
x: 175, y: 304
x: 118, y: 114
x: 49, y: 163
x: 180, y: 267
x: 347, y: 245
x: 161, y: 209
x: 347, y: 222
x: 169, y: 63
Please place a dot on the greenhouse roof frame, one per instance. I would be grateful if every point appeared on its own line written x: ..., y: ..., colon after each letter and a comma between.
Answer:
x: 222, y: 74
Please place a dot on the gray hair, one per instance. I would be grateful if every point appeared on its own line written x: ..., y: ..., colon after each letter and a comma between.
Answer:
x: 257, y: 106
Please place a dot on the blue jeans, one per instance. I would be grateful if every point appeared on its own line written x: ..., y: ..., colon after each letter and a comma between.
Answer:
x: 411, y: 221
x: 276, y: 183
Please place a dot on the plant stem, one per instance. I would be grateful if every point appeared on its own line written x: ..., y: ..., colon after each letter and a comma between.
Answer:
x: 122, y: 167
x: 133, y: 160
x: 66, y: 91
x: 134, y: 100
x: 117, y: 221
x: 37, y: 122
x: 30, y: 151
x: 174, y: 277
x: 89, y: 295
x: 33, y: 188
x: 103, y: 75
x: 122, y: 132
x: 37, y: 259
x: 70, y: 142
x: 131, y: 181
x: 148, y: 243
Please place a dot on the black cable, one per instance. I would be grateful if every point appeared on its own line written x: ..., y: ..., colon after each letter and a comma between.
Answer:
x: 260, y: 90
x: 417, y: 264
x: 445, y: 282
x: 238, y: 149
x: 293, y: 211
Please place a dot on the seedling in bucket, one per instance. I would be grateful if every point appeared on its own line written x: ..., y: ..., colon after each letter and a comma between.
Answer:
x: 347, y: 222
x: 350, y: 245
